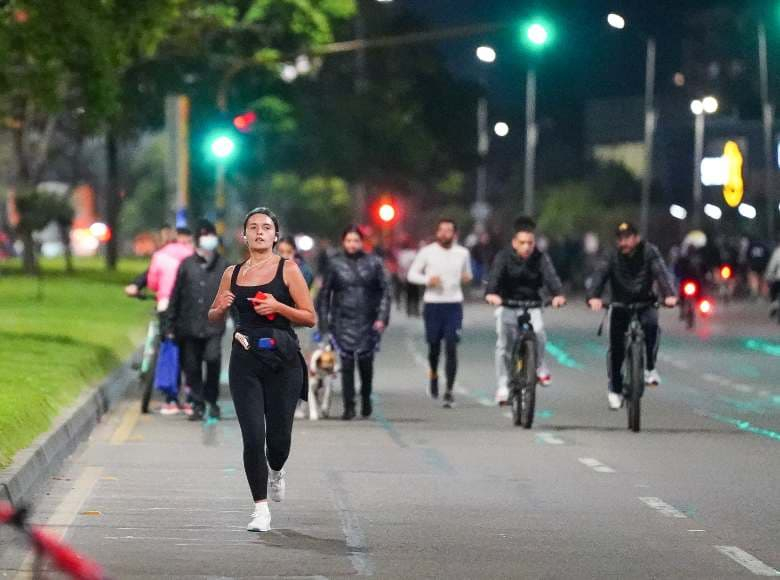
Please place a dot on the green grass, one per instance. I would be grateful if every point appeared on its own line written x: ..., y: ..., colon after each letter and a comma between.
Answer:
x: 59, y: 334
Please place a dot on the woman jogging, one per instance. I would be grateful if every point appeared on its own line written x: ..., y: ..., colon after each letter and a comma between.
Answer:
x: 354, y: 306
x: 267, y: 372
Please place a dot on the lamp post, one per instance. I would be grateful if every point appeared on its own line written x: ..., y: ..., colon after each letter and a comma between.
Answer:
x: 486, y: 55
x: 618, y: 22
x: 767, y: 113
x: 700, y: 108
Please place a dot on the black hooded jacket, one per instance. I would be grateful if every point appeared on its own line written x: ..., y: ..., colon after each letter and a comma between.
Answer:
x: 632, y: 277
x: 354, y: 295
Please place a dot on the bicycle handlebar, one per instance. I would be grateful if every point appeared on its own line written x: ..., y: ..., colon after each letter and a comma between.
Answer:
x: 526, y: 303
x: 64, y: 558
x: 633, y: 305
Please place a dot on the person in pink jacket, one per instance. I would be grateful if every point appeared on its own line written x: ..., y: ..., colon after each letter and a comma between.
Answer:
x: 165, y: 265
x: 161, y: 279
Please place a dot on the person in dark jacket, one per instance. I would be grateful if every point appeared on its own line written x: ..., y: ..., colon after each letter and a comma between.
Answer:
x: 632, y: 272
x: 521, y: 272
x: 354, y: 306
x: 196, y: 286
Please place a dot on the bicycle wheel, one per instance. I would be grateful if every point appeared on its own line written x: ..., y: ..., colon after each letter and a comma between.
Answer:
x: 516, y: 382
x: 690, y: 314
x: 636, y: 380
x: 528, y: 393
x: 147, y: 381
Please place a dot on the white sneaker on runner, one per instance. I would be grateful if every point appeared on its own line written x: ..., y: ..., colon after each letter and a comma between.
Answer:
x: 276, y: 484
x: 615, y: 400
x: 261, y: 518
x: 502, y: 395
x: 652, y: 378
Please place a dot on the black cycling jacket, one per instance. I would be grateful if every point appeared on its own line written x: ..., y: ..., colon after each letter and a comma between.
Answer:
x: 632, y: 277
x: 514, y: 278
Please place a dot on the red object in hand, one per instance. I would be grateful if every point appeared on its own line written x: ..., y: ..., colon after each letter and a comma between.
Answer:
x: 262, y: 296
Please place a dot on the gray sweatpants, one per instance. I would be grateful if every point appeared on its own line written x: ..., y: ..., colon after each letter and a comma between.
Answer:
x: 506, y: 331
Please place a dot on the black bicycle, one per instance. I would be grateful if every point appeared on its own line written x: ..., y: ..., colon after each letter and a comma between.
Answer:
x: 522, y: 364
x: 634, y: 362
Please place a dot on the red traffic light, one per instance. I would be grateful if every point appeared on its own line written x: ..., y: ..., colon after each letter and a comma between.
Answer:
x: 245, y: 121
x: 726, y: 272
x: 386, y: 213
x: 690, y: 288
x: 706, y: 307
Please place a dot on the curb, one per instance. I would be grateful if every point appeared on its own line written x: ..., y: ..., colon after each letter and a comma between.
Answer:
x: 32, y: 466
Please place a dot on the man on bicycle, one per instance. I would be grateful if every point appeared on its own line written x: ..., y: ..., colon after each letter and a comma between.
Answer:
x: 631, y: 271
x: 520, y: 273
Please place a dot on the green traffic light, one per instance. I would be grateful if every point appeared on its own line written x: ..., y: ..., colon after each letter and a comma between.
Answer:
x: 537, y: 33
x: 222, y: 147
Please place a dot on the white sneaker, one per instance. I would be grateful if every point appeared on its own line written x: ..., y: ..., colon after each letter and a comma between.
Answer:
x: 261, y: 518
x: 652, y: 378
x: 502, y: 395
x: 615, y: 400
x: 276, y: 484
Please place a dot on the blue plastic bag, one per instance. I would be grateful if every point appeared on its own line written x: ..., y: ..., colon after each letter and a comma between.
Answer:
x: 166, y: 374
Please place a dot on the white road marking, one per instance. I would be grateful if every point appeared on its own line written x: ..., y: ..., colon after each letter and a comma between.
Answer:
x: 66, y: 512
x: 662, y: 507
x: 596, y: 465
x: 742, y: 388
x: 350, y: 524
x: 548, y: 438
x: 749, y: 561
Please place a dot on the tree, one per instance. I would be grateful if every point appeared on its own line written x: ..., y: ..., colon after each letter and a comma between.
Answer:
x: 66, y: 67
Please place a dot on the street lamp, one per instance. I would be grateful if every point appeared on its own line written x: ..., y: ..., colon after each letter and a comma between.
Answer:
x: 486, y: 54
x: 700, y: 109
x: 501, y: 129
x: 618, y: 22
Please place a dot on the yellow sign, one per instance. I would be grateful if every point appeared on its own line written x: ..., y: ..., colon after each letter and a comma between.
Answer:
x: 734, y: 188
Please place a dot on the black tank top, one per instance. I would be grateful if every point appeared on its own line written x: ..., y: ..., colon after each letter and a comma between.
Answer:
x: 245, y: 315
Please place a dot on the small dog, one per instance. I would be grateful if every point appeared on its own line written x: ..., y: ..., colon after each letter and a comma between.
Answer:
x: 324, y: 371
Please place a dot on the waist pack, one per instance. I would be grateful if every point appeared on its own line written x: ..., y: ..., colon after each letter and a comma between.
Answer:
x: 286, y: 348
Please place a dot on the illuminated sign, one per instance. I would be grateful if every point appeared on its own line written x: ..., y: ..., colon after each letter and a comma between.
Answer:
x: 734, y: 188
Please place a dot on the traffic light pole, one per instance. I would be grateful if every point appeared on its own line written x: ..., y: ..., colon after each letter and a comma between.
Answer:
x: 220, y: 198
x: 531, y: 138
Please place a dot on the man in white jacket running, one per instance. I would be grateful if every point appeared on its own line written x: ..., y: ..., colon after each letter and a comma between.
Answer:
x: 443, y: 267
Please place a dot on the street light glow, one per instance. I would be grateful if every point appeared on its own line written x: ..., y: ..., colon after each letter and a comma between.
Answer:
x: 678, y: 211
x: 747, y: 211
x: 713, y: 211
x: 537, y: 34
x: 486, y: 54
x: 222, y: 147
x: 616, y: 21
x: 501, y: 129
x: 710, y: 105
x: 697, y: 107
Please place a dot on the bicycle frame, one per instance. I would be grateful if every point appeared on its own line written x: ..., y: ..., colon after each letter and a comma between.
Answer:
x: 523, y: 356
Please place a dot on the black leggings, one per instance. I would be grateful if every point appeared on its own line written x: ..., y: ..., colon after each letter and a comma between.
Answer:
x: 451, y: 363
x: 365, y: 364
x: 265, y: 406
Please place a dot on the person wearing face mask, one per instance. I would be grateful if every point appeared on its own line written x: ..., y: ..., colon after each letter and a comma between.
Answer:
x: 196, y: 286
